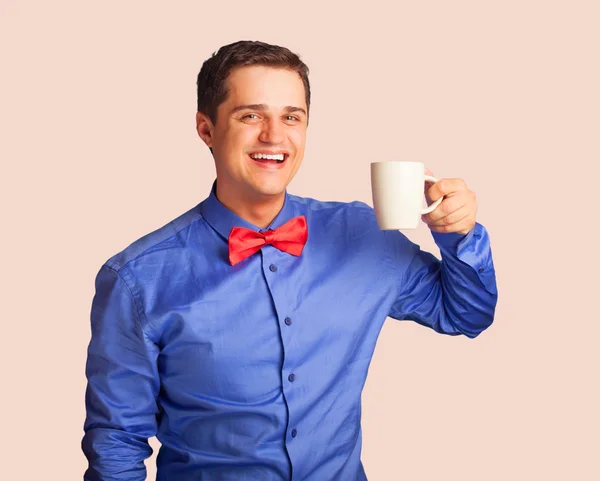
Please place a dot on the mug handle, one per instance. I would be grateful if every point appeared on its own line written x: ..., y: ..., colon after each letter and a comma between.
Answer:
x: 432, y: 207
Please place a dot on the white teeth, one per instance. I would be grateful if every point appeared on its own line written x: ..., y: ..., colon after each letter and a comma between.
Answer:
x: 267, y: 156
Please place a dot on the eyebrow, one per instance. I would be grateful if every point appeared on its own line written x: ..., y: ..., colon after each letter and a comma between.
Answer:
x: 288, y: 108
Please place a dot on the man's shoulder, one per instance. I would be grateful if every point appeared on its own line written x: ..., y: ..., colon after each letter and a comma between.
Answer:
x: 156, y: 240
x: 356, y: 209
x: 331, y: 206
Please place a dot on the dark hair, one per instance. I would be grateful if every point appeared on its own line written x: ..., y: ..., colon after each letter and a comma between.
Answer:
x: 212, y: 86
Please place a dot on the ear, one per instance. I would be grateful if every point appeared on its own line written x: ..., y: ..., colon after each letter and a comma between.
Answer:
x: 204, y: 127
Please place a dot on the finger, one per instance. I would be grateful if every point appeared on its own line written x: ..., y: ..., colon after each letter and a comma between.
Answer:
x: 449, y: 205
x: 463, y: 226
x: 445, y: 187
x: 452, y: 218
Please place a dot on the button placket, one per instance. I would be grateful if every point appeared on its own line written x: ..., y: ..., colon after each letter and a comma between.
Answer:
x: 272, y: 263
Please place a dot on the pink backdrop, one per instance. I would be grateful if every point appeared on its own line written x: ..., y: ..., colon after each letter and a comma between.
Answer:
x: 99, y: 148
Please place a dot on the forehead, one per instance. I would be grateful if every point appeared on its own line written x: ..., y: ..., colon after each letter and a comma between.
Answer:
x: 257, y: 84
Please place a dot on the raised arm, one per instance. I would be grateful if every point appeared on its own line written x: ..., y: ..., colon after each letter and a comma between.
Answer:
x: 456, y: 295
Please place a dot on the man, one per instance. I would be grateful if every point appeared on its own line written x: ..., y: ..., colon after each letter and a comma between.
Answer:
x: 240, y: 333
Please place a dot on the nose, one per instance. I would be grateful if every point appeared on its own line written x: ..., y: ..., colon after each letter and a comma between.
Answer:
x: 272, y: 132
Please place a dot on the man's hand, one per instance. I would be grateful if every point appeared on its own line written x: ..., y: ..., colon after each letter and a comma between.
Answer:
x: 457, y: 212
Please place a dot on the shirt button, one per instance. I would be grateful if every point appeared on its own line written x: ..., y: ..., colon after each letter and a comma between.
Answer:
x: 272, y: 267
x: 294, y: 433
x: 292, y: 377
x: 288, y: 321
x: 480, y: 270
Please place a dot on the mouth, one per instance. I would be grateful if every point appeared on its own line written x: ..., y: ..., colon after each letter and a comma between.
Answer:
x: 269, y: 160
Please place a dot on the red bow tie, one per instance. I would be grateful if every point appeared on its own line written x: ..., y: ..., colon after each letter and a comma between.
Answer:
x: 290, y: 237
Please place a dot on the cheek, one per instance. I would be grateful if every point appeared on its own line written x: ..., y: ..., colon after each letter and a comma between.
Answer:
x: 298, y: 139
x: 245, y: 137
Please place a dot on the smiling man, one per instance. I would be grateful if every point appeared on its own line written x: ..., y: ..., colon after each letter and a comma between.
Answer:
x: 240, y: 333
x: 257, y: 136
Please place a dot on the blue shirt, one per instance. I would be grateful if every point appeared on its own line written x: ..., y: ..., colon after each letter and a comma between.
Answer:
x: 254, y: 372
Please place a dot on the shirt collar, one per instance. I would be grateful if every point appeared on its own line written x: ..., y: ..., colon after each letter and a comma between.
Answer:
x: 223, y: 220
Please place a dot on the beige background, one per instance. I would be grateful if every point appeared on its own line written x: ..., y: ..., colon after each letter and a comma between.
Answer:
x: 99, y: 148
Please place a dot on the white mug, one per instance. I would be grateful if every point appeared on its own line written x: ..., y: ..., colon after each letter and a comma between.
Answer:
x: 398, y: 191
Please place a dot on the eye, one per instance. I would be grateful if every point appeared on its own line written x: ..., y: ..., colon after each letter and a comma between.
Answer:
x: 248, y: 116
x: 292, y: 117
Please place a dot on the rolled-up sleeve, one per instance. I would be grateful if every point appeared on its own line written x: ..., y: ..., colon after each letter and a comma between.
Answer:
x: 455, y: 295
x: 122, y: 384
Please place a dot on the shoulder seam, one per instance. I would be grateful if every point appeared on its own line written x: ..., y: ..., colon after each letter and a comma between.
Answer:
x: 140, y: 312
x: 175, y: 232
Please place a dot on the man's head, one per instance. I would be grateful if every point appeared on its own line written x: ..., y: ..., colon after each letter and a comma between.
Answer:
x: 212, y: 79
x: 253, y: 98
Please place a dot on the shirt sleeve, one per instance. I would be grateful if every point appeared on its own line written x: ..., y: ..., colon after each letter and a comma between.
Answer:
x: 456, y: 295
x: 122, y: 385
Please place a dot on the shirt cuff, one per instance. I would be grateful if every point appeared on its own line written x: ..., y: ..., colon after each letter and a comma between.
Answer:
x: 472, y: 249
x: 451, y: 240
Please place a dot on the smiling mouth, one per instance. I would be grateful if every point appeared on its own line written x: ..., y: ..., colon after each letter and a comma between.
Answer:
x: 274, y: 159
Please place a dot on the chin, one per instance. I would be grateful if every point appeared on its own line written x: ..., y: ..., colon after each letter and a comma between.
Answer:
x: 272, y: 192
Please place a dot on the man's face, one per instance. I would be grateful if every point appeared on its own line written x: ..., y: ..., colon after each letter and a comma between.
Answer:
x: 265, y: 113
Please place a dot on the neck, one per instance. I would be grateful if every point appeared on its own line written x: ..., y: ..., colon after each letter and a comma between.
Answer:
x: 259, y: 211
